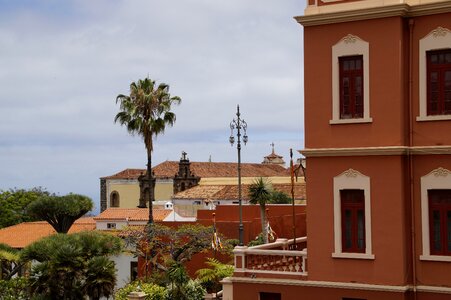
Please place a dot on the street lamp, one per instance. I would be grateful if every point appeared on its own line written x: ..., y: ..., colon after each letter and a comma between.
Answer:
x: 239, y: 124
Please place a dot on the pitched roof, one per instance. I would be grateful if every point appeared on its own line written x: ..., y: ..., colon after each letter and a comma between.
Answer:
x: 132, y: 214
x: 23, y: 234
x: 230, y: 192
x: 168, y: 169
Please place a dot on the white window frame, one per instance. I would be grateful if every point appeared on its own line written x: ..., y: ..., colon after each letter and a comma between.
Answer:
x: 437, y: 39
x: 350, y: 45
x: 439, y: 178
x: 352, y: 179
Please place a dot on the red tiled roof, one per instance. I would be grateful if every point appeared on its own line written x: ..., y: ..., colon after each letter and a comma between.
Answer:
x: 23, y: 234
x: 132, y: 214
x: 168, y: 169
x: 230, y: 192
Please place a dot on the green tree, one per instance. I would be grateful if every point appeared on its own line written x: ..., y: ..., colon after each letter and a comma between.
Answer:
x: 14, y: 289
x: 260, y: 193
x: 10, y: 262
x: 278, y: 197
x: 14, y: 203
x: 60, y: 211
x: 73, y: 266
x: 210, y: 277
x: 146, y: 111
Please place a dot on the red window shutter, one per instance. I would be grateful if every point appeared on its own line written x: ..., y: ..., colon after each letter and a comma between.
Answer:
x: 351, y: 87
x: 353, y: 221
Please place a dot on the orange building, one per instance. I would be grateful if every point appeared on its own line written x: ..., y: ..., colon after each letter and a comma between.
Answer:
x: 378, y: 145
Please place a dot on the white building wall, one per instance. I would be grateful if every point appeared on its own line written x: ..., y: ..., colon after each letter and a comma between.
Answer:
x: 123, y: 262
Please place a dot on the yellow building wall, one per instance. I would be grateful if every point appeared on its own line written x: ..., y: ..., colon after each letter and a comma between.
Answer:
x: 128, y: 194
x: 163, y: 191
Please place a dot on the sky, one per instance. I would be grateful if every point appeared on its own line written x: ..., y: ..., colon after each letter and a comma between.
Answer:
x: 62, y: 64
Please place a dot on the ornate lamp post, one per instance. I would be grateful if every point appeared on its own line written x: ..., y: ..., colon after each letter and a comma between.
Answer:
x: 239, y: 124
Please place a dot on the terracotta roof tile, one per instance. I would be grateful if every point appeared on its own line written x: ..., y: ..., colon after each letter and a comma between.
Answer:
x: 230, y: 192
x: 168, y: 169
x: 23, y: 234
x: 133, y: 214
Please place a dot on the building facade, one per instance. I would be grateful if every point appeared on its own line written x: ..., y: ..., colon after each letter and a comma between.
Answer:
x: 123, y: 188
x: 377, y: 142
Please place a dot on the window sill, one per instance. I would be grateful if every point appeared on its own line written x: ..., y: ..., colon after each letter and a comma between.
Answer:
x: 433, y: 118
x: 351, y: 121
x: 435, y: 258
x: 353, y: 255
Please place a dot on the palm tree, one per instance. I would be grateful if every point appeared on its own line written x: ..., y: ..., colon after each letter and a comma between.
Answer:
x: 146, y: 112
x: 260, y: 193
x: 73, y: 266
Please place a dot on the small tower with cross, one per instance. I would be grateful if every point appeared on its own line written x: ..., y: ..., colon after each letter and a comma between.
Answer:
x: 273, y: 158
x: 184, y: 178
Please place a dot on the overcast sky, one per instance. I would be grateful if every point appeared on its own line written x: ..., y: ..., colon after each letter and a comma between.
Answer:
x: 62, y: 64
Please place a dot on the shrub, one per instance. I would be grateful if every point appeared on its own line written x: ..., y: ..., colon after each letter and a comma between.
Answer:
x: 153, y: 291
x: 14, y: 289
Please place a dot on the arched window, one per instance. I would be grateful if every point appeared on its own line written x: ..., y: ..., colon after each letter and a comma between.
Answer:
x: 114, y: 199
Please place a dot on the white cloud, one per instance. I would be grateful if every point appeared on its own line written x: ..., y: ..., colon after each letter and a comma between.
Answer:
x: 63, y: 64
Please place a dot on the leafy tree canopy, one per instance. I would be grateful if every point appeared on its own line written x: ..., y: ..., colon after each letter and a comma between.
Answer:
x: 14, y: 204
x: 278, y: 197
x: 73, y: 266
x: 60, y: 211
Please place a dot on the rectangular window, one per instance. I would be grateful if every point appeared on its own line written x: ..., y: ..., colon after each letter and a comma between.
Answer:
x: 270, y: 296
x: 351, y: 87
x: 440, y: 221
x: 133, y: 270
x: 438, y: 82
x: 353, y: 221
x: 111, y: 225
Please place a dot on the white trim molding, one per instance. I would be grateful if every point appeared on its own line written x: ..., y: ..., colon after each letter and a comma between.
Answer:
x: 439, y: 178
x: 323, y: 284
x: 437, y: 39
x: 352, y: 179
x: 358, y: 151
x: 348, y: 46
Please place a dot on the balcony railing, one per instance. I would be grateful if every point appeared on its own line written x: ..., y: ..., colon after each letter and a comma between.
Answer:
x: 283, y: 258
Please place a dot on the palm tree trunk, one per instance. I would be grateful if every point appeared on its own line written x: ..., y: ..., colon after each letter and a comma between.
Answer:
x: 151, y: 185
x: 264, y: 223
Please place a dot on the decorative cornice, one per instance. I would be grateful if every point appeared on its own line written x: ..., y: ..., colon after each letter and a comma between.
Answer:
x: 398, y: 10
x: 351, y: 173
x: 430, y: 150
x: 348, y: 14
x: 441, y: 172
x: 350, y: 39
x: 440, y: 32
x: 370, y: 151
x: 363, y: 151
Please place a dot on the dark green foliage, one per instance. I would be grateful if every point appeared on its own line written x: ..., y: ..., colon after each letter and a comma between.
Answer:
x: 14, y: 289
x: 60, y: 211
x: 14, y: 204
x: 278, y: 197
x: 10, y: 262
x: 210, y: 277
x: 153, y: 291
x: 73, y: 266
